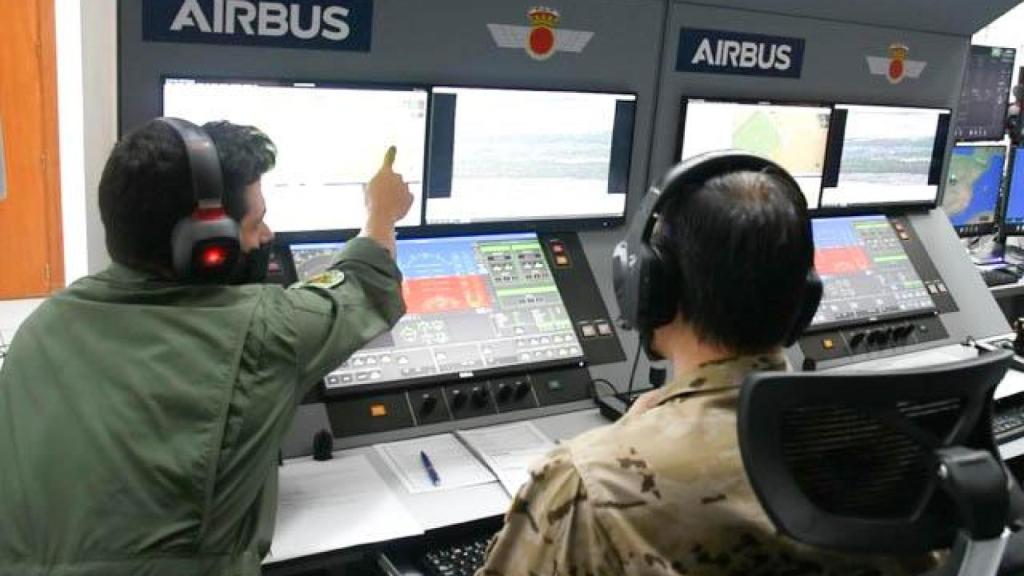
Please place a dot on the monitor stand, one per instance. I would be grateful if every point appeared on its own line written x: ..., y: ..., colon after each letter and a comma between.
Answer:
x: 988, y: 254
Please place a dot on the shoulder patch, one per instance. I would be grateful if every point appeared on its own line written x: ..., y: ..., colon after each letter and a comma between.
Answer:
x: 327, y: 279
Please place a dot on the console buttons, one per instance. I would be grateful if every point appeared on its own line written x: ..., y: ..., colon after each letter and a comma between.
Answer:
x: 458, y: 399
x: 378, y: 410
x: 561, y: 261
x: 588, y: 330
x: 427, y: 403
x: 522, y: 388
x: 479, y: 396
x: 828, y: 344
x: 332, y: 380
x: 604, y: 329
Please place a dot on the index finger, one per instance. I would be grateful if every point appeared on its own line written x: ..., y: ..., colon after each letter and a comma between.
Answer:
x: 389, y: 157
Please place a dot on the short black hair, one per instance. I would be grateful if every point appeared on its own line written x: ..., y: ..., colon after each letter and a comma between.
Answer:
x: 743, y: 246
x: 146, y: 187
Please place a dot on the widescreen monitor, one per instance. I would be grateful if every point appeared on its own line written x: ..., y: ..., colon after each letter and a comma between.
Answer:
x: 330, y: 141
x: 973, y: 182
x: 794, y: 136
x: 501, y: 156
x: 1013, y: 216
x: 884, y: 156
x: 475, y: 304
x: 985, y: 93
x: 867, y: 273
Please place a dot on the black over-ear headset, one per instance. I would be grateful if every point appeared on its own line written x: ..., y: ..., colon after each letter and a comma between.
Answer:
x: 204, y: 245
x: 646, y: 278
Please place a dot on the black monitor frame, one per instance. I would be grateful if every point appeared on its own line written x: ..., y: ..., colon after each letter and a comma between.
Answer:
x: 424, y: 230
x: 538, y: 225
x: 835, y: 147
x: 978, y: 230
x: 966, y: 82
x: 285, y: 252
x: 1006, y: 229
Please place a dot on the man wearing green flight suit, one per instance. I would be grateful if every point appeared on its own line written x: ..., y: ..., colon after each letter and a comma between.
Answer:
x: 140, y: 416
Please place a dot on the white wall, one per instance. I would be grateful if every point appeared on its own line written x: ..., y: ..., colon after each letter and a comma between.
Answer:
x: 87, y: 107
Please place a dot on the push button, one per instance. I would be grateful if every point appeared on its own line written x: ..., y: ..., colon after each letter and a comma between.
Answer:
x: 378, y: 410
x: 604, y: 329
x: 588, y: 330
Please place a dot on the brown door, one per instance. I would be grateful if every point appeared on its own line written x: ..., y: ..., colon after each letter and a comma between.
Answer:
x: 31, y: 250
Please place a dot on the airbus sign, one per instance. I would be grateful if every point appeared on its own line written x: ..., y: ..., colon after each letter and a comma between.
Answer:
x: 724, y: 52
x: 320, y: 24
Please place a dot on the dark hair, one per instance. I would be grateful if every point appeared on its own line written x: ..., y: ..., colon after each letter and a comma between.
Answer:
x: 146, y: 187
x: 743, y: 246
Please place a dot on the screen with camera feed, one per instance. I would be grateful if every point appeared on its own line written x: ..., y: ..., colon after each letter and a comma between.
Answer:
x: 884, y: 156
x: 866, y: 272
x: 793, y: 136
x: 1013, y: 218
x: 985, y: 94
x: 330, y: 141
x: 500, y: 155
x: 971, y: 195
x: 474, y: 304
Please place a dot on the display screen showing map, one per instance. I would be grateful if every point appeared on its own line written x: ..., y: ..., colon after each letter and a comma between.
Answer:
x: 885, y: 155
x: 866, y: 272
x: 528, y: 155
x: 971, y: 197
x: 793, y: 136
x: 1013, y: 221
x: 330, y: 142
x: 474, y: 303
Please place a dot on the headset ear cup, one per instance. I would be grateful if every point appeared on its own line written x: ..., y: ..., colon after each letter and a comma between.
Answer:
x: 663, y: 287
x: 813, y: 292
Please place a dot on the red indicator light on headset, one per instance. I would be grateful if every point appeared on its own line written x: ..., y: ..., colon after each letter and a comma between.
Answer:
x: 206, y: 214
x: 214, y: 257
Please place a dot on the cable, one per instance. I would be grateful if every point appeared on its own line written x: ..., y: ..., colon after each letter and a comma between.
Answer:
x: 632, y: 375
x: 593, y: 387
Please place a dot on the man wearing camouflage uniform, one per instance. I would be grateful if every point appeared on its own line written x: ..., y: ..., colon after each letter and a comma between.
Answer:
x: 663, y: 490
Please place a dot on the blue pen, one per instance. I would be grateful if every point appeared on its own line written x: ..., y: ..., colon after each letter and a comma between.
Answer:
x: 434, y: 478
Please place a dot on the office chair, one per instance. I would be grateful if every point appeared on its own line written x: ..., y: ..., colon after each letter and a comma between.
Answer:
x: 892, y: 463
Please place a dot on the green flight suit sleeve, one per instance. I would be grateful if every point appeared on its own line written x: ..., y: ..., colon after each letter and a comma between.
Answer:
x: 360, y: 299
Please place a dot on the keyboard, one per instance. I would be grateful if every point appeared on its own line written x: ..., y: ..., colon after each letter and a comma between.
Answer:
x: 1008, y: 424
x: 998, y: 277
x: 459, y: 558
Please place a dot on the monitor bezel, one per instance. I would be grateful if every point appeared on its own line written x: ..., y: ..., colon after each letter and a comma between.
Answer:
x: 538, y: 224
x: 448, y: 377
x: 1005, y: 229
x: 889, y: 208
x: 867, y: 320
x: 990, y: 227
x: 329, y: 84
x: 959, y: 98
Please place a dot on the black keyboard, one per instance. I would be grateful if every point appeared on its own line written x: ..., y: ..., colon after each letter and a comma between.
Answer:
x: 998, y: 277
x: 461, y: 558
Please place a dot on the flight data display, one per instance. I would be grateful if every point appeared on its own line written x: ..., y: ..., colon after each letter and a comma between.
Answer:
x: 884, y: 155
x: 972, y: 188
x: 866, y: 272
x: 985, y: 94
x: 330, y: 142
x: 528, y: 155
x: 1013, y: 220
x: 474, y: 303
x: 793, y: 136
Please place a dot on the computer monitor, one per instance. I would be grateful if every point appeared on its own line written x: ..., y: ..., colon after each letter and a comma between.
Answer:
x: 330, y: 141
x: 1013, y: 216
x: 793, y: 135
x: 500, y: 156
x: 475, y: 304
x: 971, y: 195
x: 981, y: 114
x: 866, y: 272
x: 884, y: 156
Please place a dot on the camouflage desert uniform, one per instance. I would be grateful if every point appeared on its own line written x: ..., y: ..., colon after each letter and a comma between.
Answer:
x: 660, y: 492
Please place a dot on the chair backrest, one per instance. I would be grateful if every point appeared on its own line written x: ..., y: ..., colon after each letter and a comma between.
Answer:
x: 849, y: 461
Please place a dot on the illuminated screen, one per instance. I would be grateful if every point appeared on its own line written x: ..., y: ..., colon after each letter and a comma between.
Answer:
x: 330, y: 142
x: 985, y: 93
x: 866, y: 272
x: 971, y: 197
x: 795, y: 137
x: 527, y: 155
x: 1013, y: 221
x: 474, y: 303
x: 883, y: 155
